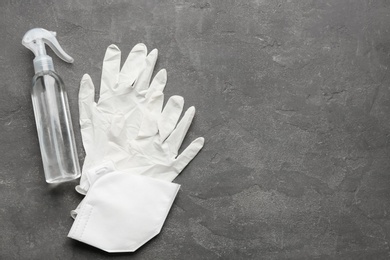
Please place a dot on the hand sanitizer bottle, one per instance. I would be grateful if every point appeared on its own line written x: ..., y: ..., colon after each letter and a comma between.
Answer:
x: 51, y: 109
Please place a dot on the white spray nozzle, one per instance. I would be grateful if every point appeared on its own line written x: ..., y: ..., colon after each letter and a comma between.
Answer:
x: 35, y: 40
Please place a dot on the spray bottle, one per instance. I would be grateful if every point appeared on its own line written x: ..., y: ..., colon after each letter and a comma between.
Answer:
x: 51, y: 109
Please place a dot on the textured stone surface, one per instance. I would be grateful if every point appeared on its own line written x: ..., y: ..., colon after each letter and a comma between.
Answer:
x: 292, y: 98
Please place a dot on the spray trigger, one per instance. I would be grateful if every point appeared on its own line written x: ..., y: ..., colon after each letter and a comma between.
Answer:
x: 35, y: 40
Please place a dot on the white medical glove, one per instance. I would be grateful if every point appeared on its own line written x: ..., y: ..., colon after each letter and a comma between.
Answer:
x: 124, y: 95
x: 128, y: 128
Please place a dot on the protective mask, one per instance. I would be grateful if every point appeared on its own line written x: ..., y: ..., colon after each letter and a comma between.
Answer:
x: 121, y: 212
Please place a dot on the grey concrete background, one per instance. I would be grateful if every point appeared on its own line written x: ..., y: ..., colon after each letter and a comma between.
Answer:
x: 293, y: 100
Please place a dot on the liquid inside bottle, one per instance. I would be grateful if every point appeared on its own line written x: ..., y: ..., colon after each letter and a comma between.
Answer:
x: 54, y: 126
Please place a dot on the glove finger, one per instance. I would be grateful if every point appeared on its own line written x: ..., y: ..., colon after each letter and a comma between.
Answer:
x: 158, y: 83
x: 142, y: 83
x: 134, y: 65
x: 110, y: 70
x: 153, y: 109
x: 188, y: 154
x: 86, y: 100
x: 176, y: 138
x: 170, y: 116
x: 88, y: 114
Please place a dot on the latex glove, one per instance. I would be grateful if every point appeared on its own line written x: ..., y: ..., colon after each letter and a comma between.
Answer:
x: 124, y: 95
x: 126, y: 113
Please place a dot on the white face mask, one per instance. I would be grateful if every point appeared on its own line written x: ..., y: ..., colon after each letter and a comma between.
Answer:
x: 121, y: 212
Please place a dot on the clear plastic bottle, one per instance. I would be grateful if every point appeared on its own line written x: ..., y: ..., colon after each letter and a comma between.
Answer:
x: 51, y: 110
x: 54, y: 126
